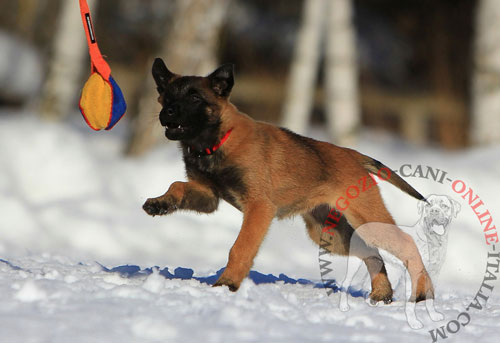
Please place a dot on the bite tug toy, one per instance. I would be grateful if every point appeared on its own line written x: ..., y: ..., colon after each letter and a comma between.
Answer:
x: 101, y: 102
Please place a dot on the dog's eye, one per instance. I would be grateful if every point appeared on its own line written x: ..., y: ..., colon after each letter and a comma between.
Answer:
x: 445, y: 207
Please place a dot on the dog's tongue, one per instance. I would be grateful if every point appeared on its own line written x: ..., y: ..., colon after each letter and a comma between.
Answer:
x: 438, y: 229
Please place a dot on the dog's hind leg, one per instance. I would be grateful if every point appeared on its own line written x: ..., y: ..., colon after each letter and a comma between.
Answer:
x: 376, y: 227
x: 403, y: 247
x: 343, y: 242
x: 381, y: 287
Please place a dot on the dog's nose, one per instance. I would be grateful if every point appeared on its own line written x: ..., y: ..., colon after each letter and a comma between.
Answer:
x: 435, y: 210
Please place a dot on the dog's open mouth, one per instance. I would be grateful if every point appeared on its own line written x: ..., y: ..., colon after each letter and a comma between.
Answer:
x: 438, y: 229
x: 173, y: 126
x: 438, y: 225
x: 175, y: 129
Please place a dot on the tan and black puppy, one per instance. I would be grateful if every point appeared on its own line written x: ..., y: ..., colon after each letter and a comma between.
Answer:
x: 266, y: 172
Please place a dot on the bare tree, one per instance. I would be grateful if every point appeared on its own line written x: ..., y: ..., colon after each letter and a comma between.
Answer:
x: 341, y: 81
x: 61, y: 85
x: 304, y: 69
x: 188, y: 48
x: 341, y: 101
x: 486, y: 74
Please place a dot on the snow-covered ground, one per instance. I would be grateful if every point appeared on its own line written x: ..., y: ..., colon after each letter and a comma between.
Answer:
x: 70, y: 210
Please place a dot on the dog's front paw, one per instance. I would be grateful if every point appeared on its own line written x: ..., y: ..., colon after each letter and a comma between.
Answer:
x: 223, y: 281
x: 344, y: 303
x: 159, y: 206
x: 436, y: 316
x: 415, y: 324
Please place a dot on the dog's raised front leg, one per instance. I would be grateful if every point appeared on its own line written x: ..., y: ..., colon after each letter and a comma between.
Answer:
x: 190, y: 195
x: 256, y: 220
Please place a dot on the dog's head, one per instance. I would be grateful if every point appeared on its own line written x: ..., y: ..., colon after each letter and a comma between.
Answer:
x: 191, y: 104
x: 437, y: 212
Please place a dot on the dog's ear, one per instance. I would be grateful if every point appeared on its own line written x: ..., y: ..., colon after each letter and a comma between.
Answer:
x: 161, y: 75
x: 420, y: 206
x: 222, y: 80
x: 456, y: 207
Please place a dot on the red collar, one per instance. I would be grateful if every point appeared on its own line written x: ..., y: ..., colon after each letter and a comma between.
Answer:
x: 210, y: 151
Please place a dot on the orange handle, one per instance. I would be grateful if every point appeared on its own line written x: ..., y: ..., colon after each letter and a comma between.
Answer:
x: 96, y: 59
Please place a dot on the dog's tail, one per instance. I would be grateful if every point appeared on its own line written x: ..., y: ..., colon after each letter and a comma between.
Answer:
x: 376, y: 167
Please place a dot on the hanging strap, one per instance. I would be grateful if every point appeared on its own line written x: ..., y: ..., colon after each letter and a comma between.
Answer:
x: 97, y: 61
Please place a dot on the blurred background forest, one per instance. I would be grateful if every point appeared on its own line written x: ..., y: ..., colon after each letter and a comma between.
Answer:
x: 428, y: 71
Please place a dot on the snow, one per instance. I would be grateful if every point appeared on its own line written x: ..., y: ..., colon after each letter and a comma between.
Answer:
x: 71, y: 212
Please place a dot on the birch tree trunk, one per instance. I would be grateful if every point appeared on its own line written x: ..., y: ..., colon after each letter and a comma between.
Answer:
x: 189, y: 48
x: 486, y: 74
x: 304, y: 69
x: 61, y: 85
x: 341, y: 79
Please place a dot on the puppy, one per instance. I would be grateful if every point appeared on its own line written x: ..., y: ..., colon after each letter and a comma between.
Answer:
x: 430, y: 234
x: 266, y: 172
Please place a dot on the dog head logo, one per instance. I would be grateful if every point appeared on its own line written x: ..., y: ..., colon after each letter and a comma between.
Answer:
x: 437, y: 214
x: 191, y: 104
